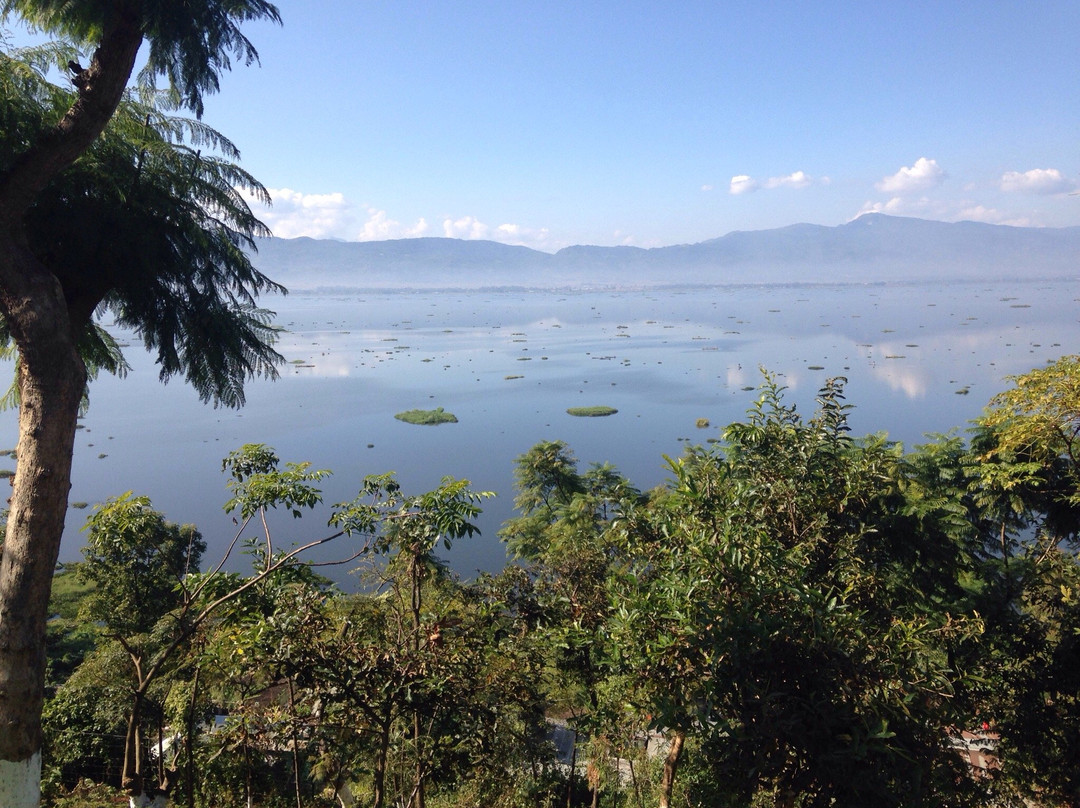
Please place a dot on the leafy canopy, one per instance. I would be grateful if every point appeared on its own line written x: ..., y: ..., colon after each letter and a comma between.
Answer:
x: 146, y: 226
x: 190, y: 43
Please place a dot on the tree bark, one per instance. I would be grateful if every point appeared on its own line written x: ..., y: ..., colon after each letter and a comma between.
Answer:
x: 671, y: 766
x: 51, y: 381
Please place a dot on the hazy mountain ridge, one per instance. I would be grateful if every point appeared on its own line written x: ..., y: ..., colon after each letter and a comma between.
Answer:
x: 874, y: 248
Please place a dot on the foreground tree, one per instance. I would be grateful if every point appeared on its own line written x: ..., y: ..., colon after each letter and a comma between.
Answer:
x: 788, y: 609
x: 1025, y: 474
x: 66, y: 214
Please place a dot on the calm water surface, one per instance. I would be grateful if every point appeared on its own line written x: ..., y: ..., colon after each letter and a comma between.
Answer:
x: 919, y: 359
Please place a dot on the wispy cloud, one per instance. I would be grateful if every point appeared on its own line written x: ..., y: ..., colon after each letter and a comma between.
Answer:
x: 471, y: 228
x: 921, y: 176
x: 744, y: 183
x: 294, y: 214
x: 946, y: 211
x: 1046, y: 181
x: 797, y: 179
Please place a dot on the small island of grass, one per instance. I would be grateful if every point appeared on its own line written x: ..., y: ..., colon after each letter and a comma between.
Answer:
x: 592, y: 412
x: 427, y: 417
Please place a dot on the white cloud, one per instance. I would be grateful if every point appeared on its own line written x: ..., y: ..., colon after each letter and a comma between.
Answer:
x: 742, y: 184
x: 297, y: 214
x: 380, y: 227
x: 466, y: 227
x: 981, y: 213
x: 471, y: 228
x: 924, y: 174
x: 1038, y: 181
x: 798, y: 179
x: 925, y: 208
x: 537, y: 238
x: 706, y: 187
x: 895, y: 206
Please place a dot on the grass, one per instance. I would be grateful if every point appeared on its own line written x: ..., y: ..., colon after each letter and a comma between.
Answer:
x: 591, y: 412
x: 427, y: 417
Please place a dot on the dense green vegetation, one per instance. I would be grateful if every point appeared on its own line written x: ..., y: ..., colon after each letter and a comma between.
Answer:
x: 799, y: 617
x: 427, y: 417
x: 592, y: 412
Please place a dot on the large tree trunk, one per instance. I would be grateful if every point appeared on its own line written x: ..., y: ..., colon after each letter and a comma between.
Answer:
x: 51, y: 381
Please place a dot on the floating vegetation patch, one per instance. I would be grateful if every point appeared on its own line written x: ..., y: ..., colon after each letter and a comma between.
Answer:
x: 427, y: 417
x: 702, y: 423
x: 6, y: 473
x: 514, y: 376
x: 524, y: 359
x: 815, y: 367
x: 895, y: 356
x: 748, y: 388
x: 1020, y: 306
x: 591, y: 412
x: 79, y: 505
x: 962, y: 391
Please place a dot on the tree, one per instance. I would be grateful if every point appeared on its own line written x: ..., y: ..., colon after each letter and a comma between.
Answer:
x: 562, y: 533
x: 1024, y: 463
x: 783, y: 606
x: 48, y: 298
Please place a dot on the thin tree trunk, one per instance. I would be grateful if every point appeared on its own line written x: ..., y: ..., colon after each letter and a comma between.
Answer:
x: 671, y: 766
x: 191, y: 739
x: 295, y: 744
x: 573, y: 769
x: 418, y: 738
x: 379, y: 775
x: 633, y: 779
x: 132, y: 779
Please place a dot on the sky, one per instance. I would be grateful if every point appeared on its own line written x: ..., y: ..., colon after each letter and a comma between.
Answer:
x: 554, y: 123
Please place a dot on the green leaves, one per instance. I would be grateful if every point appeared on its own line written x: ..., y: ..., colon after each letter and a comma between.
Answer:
x: 258, y: 485
x: 189, y: 45
x: 137, y: 563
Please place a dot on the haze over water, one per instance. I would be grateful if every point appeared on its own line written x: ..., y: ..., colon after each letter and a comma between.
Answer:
x: 919, y: 358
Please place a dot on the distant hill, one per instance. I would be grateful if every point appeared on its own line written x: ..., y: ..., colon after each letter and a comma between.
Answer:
x: 871, y: 249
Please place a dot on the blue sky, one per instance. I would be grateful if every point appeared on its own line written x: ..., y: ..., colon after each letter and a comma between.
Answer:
x: 648, y: 123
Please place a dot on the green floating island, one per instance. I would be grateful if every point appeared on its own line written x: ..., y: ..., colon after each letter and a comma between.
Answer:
x: 427, y: 417
x: 592, y: 412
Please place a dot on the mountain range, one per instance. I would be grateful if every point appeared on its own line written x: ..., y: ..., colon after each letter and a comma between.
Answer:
x: 873, y: 248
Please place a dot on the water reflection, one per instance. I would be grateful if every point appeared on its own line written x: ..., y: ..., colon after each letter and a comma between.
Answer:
x: 508, y: 365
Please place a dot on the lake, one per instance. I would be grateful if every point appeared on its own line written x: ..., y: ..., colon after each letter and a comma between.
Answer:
x: 919, y: 358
